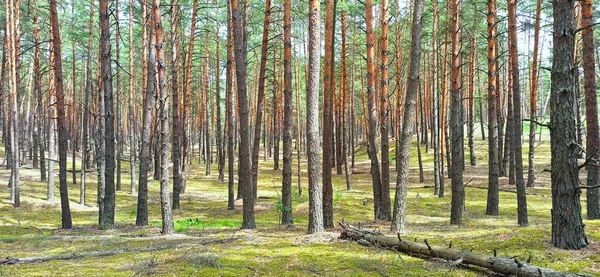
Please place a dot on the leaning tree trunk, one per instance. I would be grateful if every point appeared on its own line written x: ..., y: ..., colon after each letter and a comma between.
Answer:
x: 260, y: 102
x: 567, y: 224
x: 399, y: 219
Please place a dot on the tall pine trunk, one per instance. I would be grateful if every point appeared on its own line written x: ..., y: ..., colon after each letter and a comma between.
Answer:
x: 315, y: 187
x: 244, y: 170
x: 63, y: 133
x: 591, y: 110
x: 567, y: 224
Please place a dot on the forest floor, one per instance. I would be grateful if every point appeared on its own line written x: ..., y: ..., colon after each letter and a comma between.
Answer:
x: 208, y: 241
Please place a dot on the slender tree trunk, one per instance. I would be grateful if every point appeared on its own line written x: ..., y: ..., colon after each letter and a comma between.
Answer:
x: 229, y: 103
x: 315, y: 189
x: 384, y: 112
x: 108, y: 215
x: 187, y: 101
x: 117, y: 92
x: 408, y: 123
x: 517, y: 123
x: 52, y: 124
x: 591, y: 110
x: 435, y: 130
x: 344, y: 102
x: 131, y: 110
x: 145, y: 153
x: 39, y: 133
x: 176, y: 156
x: 286, y: 192
x: 493, y: 158
x: 567, y: 224
x: 456, y: 173
x: 471, y: 104
x: 167, y: 216
x: 260, y: 95
x: 219, y: 131
x: 13, y: 33
x: 63, y: 133
x: 328, y: 92
x: 244, y: 170
x: 372, y: 140
x: 86, y: 108
x: 533, y: 95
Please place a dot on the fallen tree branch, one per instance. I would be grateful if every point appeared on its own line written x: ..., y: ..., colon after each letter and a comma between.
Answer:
x: 501, y: 265
x: 27, y: 260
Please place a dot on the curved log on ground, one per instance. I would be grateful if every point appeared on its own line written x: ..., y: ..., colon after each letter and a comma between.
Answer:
x: 501, y: 265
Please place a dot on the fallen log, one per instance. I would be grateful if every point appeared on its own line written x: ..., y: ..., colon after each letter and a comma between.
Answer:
x: 501, y: 265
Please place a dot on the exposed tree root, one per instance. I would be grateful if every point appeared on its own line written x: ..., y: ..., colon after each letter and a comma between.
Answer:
x: 501, y: 265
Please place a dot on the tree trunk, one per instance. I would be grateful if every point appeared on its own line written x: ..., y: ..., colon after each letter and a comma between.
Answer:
x: 567, y: 224
x: 372, y: 117
x: 384, y: 112
x: 176, y: 136
x: 435, y: 128
x: 471, y: 103
x: 187, y: 102
x: 167, y: 216
x: 343, y: 105
x: 107, y: 218
x: 408, y: 123
x: 517, y: 123
x: 219, y: 131
x: 591, y: 110
x: 315, y: 188
x: 13, y: 33
x: 286, y: 191
x: 456, y: 173
x: 533, y: 96
x: 244, y: 171
x: 260, y: 102
x: 145, y: 153
x: 493, y: 161
x: 63, y: 133
x: 131, y: 110
x: 229, y: 107
x: 328, y: 92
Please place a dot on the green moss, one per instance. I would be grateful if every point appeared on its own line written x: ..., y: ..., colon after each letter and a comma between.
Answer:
x: 32, y: 229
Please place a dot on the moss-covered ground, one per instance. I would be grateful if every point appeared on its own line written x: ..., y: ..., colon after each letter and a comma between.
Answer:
x: 273, y: 250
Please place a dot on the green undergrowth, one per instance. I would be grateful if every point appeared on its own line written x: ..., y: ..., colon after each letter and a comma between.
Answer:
x: 222, y: 249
